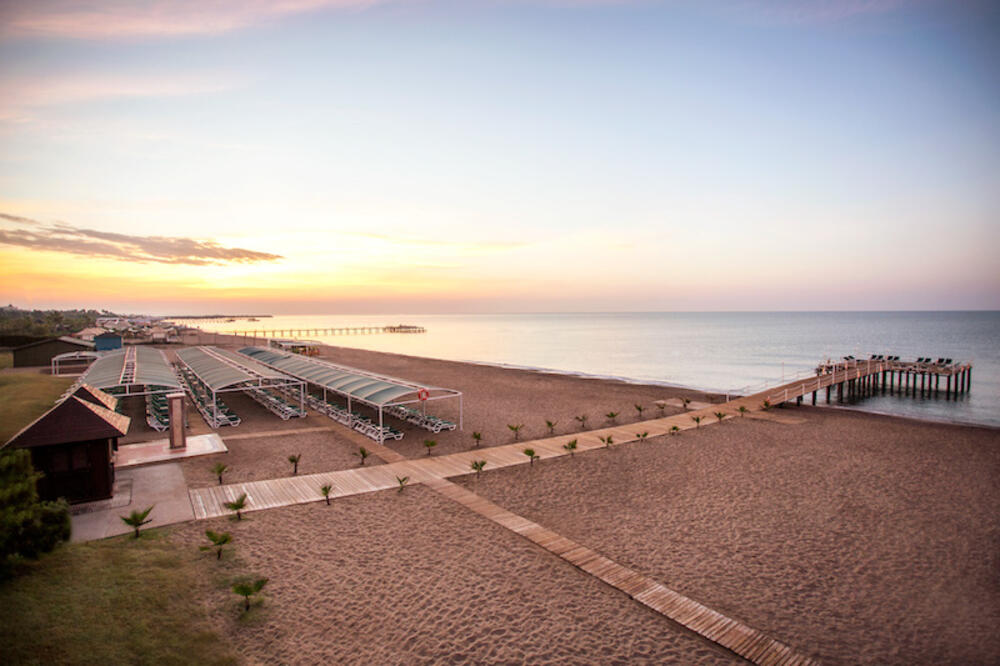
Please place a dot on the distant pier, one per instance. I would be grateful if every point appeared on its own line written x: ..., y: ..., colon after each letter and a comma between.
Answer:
x: 343, y: 330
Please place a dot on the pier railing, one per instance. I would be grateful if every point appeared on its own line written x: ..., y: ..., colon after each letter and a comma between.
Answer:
x: 864, y: 376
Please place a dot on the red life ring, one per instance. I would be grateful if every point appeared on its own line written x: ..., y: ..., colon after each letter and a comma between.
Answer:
x: 423, y: 394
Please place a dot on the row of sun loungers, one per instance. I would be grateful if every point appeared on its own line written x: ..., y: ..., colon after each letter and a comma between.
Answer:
x: 355, y: 420
x: 370, y: 429
x: 219, y: 416
x: 157, y: 414
x: 419, y: 419
x: 275, y: 403
x: 919, y: 361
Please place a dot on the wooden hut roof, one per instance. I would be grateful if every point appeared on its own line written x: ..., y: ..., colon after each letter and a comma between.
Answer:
x: 72, y: 420
x: 96, y: 396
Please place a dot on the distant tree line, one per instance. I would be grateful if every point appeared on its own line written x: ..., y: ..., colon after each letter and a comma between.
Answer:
x: 45, y: 323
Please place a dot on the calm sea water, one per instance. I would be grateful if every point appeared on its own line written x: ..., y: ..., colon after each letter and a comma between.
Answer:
x: 712, y: 351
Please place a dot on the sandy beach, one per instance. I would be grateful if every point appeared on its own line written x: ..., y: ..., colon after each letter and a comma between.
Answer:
x: 854, y: 538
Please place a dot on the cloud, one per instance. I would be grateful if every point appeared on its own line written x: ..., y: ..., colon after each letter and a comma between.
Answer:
x: 432, y: 242
x: 20, y: 95
x: 115, y: 19
x: 124, y: 247
x: 143, y: 19
x: 814, y: 11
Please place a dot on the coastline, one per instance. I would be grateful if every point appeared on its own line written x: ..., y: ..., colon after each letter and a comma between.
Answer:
x: 783, y: 524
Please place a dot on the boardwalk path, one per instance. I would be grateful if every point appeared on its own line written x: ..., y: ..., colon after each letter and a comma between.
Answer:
x: 271, y: 493
x: 433, y: 472
x: 716, y: 627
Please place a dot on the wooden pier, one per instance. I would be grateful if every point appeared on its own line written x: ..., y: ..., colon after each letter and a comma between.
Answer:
x: 343, y: 330
x: 854, y: 379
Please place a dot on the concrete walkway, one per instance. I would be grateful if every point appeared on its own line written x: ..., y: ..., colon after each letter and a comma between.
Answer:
x: 160, y: 486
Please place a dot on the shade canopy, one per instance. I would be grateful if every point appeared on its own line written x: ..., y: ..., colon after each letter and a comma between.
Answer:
x: 371, y: 388
x: 220, y: 369
x: 131, y: 366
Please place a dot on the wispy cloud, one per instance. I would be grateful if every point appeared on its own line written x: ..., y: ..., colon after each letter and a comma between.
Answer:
x: 36, y: 235
x: 114, y: 19
x: 142, y: 19
x: 433, y: 242
x: 19, y: 96
x: 815, y: 11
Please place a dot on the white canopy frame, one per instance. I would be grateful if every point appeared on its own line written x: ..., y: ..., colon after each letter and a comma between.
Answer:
x: 424, y: 394
x: 254, y: 379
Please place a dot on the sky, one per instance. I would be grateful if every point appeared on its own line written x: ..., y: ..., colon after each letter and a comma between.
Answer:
x: 367, y: 156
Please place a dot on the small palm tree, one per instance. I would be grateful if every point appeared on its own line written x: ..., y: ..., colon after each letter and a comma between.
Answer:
x: 720, y: 416
x: 137, y: 519
x: 430, y: 444
x: 402, y: 481
x: 551, y: 425
x: 218, y: 539
x: 612, y: 416
x: 742, y: 410
x: 685, y: 402
x: 583, y: 421
x: 571, y: 447
x: 218, y: 469
x: 607, y: 441
x: 697, y: 421
x: 477, y: 466
x: 642, y: 435
x: 674, y: 430
x: 640, y: 409
x: 247, y: 589
x: 363, y: 453
x: 662, y: 406
x: 478, y: 436
x: 516, y: 429
x: 295, y: 463
x: 237, y: 505
x: 325, y: 492
x: 531, y: 455
x: 766, y: 405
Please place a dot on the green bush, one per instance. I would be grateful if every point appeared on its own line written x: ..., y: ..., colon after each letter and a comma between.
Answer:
x: 28, y: 527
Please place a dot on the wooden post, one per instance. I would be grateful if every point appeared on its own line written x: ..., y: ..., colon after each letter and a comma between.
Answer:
x: 968, y: 378
x: 947, y: 388
x: 814, y: 397
x: 828, y: 394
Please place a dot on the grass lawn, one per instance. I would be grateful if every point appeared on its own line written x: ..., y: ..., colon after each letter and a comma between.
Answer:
x: 117, y: 601
x: 6, y: 359
x: 25, y: 397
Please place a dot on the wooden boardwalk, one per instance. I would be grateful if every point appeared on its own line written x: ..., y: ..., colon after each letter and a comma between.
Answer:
x: 731, y: 634
x: 268, y: 494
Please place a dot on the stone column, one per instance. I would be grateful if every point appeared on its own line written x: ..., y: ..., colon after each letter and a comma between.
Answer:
x: 175, y: 408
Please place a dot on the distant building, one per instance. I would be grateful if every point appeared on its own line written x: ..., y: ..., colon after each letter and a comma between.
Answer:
x: 89, y: 333
x: 113, y: 323
x: 107, y: 342
x: 41, y: 352
x: 73, y: 446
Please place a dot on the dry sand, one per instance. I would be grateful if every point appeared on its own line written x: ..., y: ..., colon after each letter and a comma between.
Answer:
x: 411, y: 577
x: 852, y: 537
x: 493, y: 398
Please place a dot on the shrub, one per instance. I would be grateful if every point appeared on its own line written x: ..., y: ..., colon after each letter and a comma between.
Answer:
x: 28, y: 527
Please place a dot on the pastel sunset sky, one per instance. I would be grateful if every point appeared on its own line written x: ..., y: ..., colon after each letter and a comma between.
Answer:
x: 328, y: 156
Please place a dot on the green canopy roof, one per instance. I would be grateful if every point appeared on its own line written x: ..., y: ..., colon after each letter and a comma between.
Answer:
x: 220, y: 369
x: 367, y: 387
x: 132, y: 366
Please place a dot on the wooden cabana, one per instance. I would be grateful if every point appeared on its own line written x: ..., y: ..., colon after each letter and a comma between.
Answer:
x: 73, y: 446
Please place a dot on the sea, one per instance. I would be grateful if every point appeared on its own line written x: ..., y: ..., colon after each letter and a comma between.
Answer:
x: 724, y: 352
